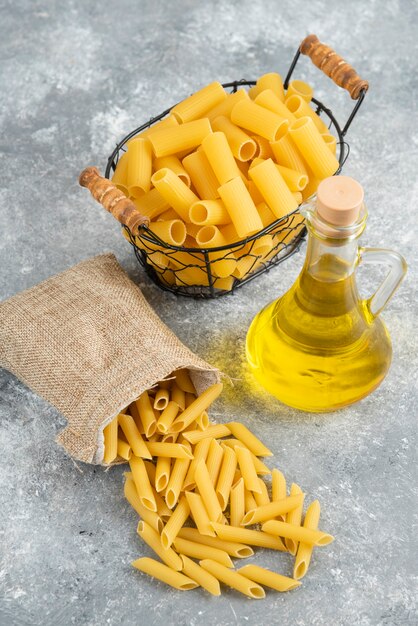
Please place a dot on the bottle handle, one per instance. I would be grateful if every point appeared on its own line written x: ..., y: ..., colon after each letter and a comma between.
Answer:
x: 397, y: 270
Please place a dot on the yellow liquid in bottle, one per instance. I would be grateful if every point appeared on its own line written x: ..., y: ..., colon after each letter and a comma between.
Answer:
x: 317, y: 348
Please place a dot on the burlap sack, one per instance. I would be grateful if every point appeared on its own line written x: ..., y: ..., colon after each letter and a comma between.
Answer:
x: 88, y: 342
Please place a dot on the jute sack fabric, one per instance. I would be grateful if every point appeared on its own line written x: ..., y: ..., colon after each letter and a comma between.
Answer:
x: 87, y: 341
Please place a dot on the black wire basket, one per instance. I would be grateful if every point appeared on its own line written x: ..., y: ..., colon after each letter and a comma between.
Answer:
x: 174, y: 268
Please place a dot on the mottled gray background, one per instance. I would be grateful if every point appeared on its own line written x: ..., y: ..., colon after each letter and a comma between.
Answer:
x: 75, y: 77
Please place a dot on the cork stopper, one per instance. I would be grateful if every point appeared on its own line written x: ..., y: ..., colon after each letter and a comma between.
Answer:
x: 339, y: 200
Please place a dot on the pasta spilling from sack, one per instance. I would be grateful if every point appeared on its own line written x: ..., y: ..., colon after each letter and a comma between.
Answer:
x: 199, y: 491
x: 223, y: 160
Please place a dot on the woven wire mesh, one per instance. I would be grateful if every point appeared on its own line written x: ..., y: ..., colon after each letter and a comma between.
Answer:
x: 200, y: 272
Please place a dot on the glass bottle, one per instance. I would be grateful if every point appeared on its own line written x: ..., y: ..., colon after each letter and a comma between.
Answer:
x: 320, y: 347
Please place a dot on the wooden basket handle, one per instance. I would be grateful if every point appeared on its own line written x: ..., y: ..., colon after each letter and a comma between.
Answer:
x: 333, y: 66
x: 112, y: 199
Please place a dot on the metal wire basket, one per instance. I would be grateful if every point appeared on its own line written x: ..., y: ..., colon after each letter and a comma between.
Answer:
x: 173, y: 268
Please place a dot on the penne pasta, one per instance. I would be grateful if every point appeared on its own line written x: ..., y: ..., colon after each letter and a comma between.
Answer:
x: 110, y: 440
x: 304, y: 553
x: 262, y: 498
x: 272, y: 509
x: 195, y: 409
x: 150, y: 517
x: 176, y: 521
x: 249, y: 501
x: 162, y: 473
x: 237, y: 503
x: 215, y: 431
x: 133, y: 436
x: 167, y: 141
x: 268, y: 578
x: 164, y: 573
x: 177, y: 394
x: 199, y: 513
x: 146, y: 414
x: 278, y: 488
x: 226, y: 476
x: 251, y: 537
x: 299, y: 88
x: 258, y: 120
x: 273, y: 188
x: 161, y: 399
x: 249, y: 440
x: 207, y: 492
x: 200, y: 551
x: 142, y: 483
x: 167, y: 417
x: 174, y: 164
x: 297, y: 533
x: 237, y: 550
x: 198, y: 104
x: 242, y: 146
x: 309, y: 141
x: 214, y: 460
x: 152, y: 539
x: 247, y: 468
x: 201, y: 576
x: 209, y: 212
x: 240, y: 207
x: 175, y: 484
x: 294, y: 517
x: 124, y: 449
x: 233, y: 579
x: 260, y: 468
x: 184, y: 382
x: 174, y: 191
x: 203, y: 420
x: 200, y: 453
x: 138, y: 178
x: 172, y: 450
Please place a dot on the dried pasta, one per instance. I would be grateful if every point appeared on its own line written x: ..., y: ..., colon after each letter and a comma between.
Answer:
x: 164, y: 573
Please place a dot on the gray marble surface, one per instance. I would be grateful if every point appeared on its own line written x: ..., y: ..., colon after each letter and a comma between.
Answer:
x: 75, y: 77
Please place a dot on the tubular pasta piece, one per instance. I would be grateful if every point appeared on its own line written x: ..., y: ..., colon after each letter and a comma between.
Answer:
x: 268, y: 578
x: 273, y: 188
x: 209, y: 212
x: 300, y: 108
x: 287, y: 154
x: 150, y: 517
x: 249, y: 501
x: 237, y: 503
x: 258, y: 120
x: 249, y: 440
x: 174, y: 191
x: 226, y: 476
x: 268, y: 100
x: 240, y: 207
x: 262, y: 498
x: 278, y: 488
x: 152, y: 539
x: 207, y: 492
x: 297, y: 533
x: 220, y: 157
x: 195, y: 409
x: 304, y: 553
x: 124, y: 449
x: 247, y: 468
x: 119, y: 178
x: 251, y: 537
x: 223, y: 262
x: 330, y: 142
x: 171, y: 231
x: 233, y: 579
x: 110, y: 437
x: 176, y: 521
x: 225, y: 107
x: 174, y: 164
x: 146, y: 414
x: 260, y: 468
x: 161, y: 399
x: 272, y: 509
x: 199, y: 513
x: 167, y: 122
x: 201, y: 576
x: 162, y: 473
x: 172, y: 450
x: 294, y: 516
x: 177, y: 139
x: 242, y: 146
x: 202, y: 175
x: 142, y: 483
x: 200, y: 452
x: 167, y: 417
x: 175, y: 484
x: 299, y: 88
x: 138, y: 177
x: 237, y: 550
x: 264, y: 150
x: 296, y: 181
x: 310, y: 143
x: 200, y: 551
x: 198, y: 104
x: 214, y: 460
x: 133, y: 436
x: 184, y: 381
x: 178, y: 395
x: 164, y: 573
x: 271, y: 81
